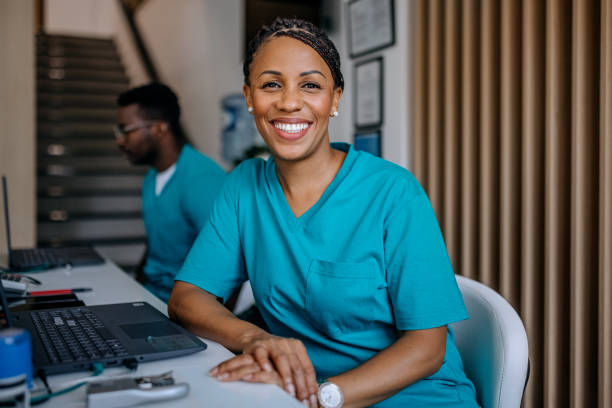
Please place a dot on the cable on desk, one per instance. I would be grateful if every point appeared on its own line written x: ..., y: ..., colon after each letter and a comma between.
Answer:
x: 98, y: 368
x: 42, y: 374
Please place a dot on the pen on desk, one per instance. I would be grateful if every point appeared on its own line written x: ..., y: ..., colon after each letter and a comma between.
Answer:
x: 59, y: 291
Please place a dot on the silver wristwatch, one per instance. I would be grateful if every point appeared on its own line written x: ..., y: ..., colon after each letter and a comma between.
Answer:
x: 330, y: 395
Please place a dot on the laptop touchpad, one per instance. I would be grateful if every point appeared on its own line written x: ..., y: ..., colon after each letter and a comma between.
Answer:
x: 149, y: 329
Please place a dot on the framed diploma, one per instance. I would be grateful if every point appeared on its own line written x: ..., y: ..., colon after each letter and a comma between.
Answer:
x: 369, y: 93
x: 368, y: 141
x: 371, y: 26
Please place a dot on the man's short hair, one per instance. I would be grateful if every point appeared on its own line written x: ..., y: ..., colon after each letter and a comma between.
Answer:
x: 155, y: 101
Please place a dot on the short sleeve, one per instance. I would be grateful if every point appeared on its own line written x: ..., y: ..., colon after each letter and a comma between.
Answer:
x: 421, y: 282
x: 215, y: 262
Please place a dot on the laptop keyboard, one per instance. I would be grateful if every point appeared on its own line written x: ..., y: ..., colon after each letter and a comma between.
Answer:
x: 74, y: 335
x: 31, y: 258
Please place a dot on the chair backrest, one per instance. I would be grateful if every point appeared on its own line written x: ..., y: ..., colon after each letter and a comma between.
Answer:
x: 493, y: 346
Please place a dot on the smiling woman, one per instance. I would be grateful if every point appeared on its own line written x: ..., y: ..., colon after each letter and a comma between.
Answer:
x: 293, y: 101
x: 343, y: 251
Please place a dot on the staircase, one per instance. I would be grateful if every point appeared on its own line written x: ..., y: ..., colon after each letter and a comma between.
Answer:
x: 87, y: 193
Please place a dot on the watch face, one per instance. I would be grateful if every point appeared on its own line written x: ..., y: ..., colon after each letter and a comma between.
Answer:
x: 330, y: 396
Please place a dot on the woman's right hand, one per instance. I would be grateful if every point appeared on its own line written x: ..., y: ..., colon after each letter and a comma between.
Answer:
x: 287, y: 357
x: 189, y: 304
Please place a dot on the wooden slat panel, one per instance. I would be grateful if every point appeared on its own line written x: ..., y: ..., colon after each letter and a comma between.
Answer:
x: 583, y: 366
x: 452, y: 128
x: 420, y: 92
x: 532, y: 214
x: 552, y: 153
x: 510, y: 147
x: 470, y: 27
x: 557, y: 204
x: 605, y: 215
x: 435, y: 110
x: 489, y: 145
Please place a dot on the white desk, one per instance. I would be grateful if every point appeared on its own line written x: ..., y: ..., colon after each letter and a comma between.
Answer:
x: 112, y: 285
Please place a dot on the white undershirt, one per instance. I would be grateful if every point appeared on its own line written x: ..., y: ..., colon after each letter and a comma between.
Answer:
x: 162, y: 178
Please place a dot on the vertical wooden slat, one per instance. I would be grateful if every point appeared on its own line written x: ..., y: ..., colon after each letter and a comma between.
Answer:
x: 452, y: 128
x: 605, y: 215
x: 557, y: 204
x: 583, y: 336
x: 489, y: 145
x: 420, y: 91
x: 435, y: 110
x: 510, y: 145
x: 532, y: 215
x: 470, y: 18
x: 562, y: 258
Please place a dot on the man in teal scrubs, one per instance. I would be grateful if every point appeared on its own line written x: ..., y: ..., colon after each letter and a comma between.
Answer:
x: 365, y: 261
x: 178, y: 190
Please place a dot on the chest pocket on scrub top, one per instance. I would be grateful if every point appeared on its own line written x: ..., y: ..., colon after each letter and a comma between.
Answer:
x: 345, y: 297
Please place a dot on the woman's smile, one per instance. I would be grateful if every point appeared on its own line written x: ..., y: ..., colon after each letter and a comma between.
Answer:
x: 291, y: 129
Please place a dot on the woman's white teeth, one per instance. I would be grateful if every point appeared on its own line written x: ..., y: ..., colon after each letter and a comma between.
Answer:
x: 291, y: 127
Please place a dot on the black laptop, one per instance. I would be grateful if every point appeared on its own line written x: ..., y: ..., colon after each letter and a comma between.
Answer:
x: 40, y: 258
x: 73, y: 338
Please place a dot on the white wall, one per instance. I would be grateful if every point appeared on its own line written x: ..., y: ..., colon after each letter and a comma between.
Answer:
x: 196, y: 45
x: 17, y: 119
x: 396, y: 62
x: 92, y: 18
x: 340, y: 127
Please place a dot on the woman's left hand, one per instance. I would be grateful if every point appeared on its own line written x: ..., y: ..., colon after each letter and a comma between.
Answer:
x: 244, y: 368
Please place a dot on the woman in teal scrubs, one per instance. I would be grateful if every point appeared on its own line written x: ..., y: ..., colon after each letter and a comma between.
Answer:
x: 343, y: 251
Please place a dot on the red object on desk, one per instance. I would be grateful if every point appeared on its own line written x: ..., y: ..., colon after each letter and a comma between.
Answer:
x: 58, y: 291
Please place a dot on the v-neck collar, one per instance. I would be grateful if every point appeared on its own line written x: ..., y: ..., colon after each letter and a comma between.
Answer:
x: 177, y: 163
x: 297, y: 222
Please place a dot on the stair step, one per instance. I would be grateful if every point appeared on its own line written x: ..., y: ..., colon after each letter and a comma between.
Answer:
x: 51, y: 114
x: 92, y: 204
x: 60, y: 50
x: 82, y: 74
x: 76, y: 100
x: 66, y: 170
x: 90, y: 230
x: 59, y: 217
x: 95, y: 184
x: 90, y: 87
x: 55, y: 191
x: 114, y: 161
x: 123, y: 254
x: 72, y: 41
x: 78, y: 62
x: 76, y: 130
x: 71, y: 147
x: 92, y: 242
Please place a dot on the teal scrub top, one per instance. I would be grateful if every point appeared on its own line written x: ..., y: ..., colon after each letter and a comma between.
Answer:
x: 366, y: 260
x: 174, y: 219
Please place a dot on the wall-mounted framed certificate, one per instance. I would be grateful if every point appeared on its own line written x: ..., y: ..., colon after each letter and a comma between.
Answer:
x: 368, y: 93
x: 371, y: 26
x: 368, y: 141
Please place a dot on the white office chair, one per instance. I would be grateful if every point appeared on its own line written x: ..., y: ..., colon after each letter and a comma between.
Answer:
x: 493, y: 346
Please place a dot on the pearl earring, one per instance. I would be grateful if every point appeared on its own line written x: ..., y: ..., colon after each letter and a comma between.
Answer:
x: 335, y: 113
x: 250, y: 109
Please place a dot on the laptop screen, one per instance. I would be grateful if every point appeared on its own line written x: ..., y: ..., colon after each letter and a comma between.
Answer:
x: 4, y: 227
x: 5, y: 317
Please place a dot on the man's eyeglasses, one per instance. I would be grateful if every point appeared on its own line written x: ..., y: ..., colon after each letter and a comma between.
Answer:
x: 121, y: 131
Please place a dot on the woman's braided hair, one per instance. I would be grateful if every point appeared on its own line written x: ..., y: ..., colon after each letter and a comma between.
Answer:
x: 303, y: 31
